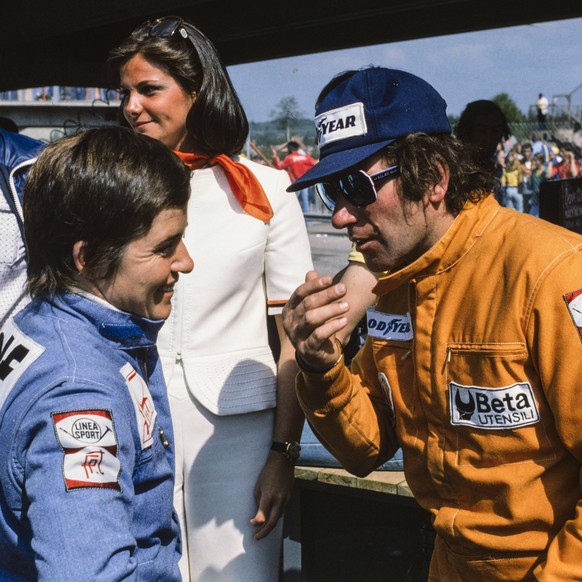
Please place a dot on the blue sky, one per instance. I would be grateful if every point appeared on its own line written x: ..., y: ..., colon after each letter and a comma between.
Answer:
x: 521, y: 61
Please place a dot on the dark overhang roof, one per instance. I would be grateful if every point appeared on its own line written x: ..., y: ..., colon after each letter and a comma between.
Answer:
x: 65, y: 42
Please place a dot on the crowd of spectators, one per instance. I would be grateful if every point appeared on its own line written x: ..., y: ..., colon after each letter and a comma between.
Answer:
x: 526, y: 165
x: 522, y: 166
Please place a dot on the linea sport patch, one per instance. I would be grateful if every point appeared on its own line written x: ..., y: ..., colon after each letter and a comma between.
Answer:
x: 145, y: 412
x: 340, y: 123
x: 574, y: 303
x: 389, y: 326
x: 89, y: 442
x: 493, y: 408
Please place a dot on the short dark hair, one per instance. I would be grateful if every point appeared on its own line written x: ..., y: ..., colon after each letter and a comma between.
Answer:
x: 421, y: 158
x: 474, y: 110
x: 104, y: 187
x: 216, y: 123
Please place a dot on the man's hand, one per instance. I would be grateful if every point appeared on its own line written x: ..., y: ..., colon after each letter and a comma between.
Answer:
x: 312, y: 317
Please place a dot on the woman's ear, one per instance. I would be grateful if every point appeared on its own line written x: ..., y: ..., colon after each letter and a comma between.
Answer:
x: 79, y: 255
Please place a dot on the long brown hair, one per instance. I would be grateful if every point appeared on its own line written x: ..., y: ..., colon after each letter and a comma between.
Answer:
x: 216, y: 123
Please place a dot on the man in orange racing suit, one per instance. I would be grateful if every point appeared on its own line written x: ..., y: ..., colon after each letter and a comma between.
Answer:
x: 474, y: 352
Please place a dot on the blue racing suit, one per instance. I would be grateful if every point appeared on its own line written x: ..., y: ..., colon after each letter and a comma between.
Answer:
x: 87, y: 455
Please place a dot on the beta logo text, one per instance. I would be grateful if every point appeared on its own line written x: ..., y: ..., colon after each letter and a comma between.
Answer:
x: 488, y: 408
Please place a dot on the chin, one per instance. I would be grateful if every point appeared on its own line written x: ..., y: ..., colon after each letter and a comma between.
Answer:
x: 159, y: 314
x: 373, y: 263
x: 163, y: 313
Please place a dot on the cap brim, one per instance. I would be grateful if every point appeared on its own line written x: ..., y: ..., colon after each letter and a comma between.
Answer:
x: 337, y: 163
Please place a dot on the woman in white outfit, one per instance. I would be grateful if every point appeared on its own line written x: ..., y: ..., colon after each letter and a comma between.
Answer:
x: 232, y: 405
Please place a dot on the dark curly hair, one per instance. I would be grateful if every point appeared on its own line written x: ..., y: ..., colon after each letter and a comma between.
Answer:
x: 421, y: 158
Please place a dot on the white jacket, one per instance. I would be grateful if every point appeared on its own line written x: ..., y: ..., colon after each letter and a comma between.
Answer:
x: 243, y: 269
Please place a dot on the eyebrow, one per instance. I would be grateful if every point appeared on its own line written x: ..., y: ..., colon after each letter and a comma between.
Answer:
x: 143, y: 83
x: 169, y: 239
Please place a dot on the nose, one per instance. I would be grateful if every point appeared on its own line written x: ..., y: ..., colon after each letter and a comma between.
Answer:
x: 132, y: 106
x: 183, y: 262
x: 343, y: 214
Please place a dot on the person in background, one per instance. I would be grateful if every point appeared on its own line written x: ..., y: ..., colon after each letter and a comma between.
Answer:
x: 484, y: 125
x: 542, y: 105
x: 537, y: 176
x: 525, y: 157
x: 236, y: 418
x: 87, y: 462
x: 296, y: 162
x: 563, y: 165
x: 512, y: 182
x: 472, y: 361
x: 17, y: 154
x: 541, y: 145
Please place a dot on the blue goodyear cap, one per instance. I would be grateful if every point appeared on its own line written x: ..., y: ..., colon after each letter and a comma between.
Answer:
x: 367, y: 111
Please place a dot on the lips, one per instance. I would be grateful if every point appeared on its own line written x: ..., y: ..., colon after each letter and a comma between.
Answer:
x: 359, y: 241
x: 139, y: 124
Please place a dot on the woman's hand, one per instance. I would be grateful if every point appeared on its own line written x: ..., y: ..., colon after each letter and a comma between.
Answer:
x: 272, y: 493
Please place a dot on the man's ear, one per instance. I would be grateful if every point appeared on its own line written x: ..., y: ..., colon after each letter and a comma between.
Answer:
x: 439, y: 190
x: 79, y: 255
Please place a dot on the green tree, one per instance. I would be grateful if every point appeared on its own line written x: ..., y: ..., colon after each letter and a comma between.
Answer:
x: 286, y: 114
x: 509, y: 108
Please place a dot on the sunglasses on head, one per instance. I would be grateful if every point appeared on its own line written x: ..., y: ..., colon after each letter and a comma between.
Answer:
x: 358, y: 188
x: 164, y: 27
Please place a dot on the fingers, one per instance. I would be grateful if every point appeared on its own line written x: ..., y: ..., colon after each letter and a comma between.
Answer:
x: 272, y: 493
x: 270, y: 511
x: 265, y: 525
x: 319, y: 285
x: 312, y: 304
x: 313, y: 315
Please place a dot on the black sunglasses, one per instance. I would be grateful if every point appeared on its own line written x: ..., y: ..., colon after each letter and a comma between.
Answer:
x: 358, y: 188
x: 162, y: 28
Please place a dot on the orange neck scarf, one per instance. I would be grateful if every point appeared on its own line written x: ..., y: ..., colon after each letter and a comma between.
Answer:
x: 243, y: 183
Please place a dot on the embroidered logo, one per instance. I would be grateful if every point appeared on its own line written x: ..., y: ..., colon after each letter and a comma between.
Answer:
x: 89, y: 442
x: 574, y: 303
x: 493, y: 408
x: 145, y: 412
x: 388, y: 326
x: 17, y: 352
x: 340, y: 123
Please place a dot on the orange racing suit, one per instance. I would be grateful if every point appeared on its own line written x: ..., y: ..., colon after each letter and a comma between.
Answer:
x: 473, y: 365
